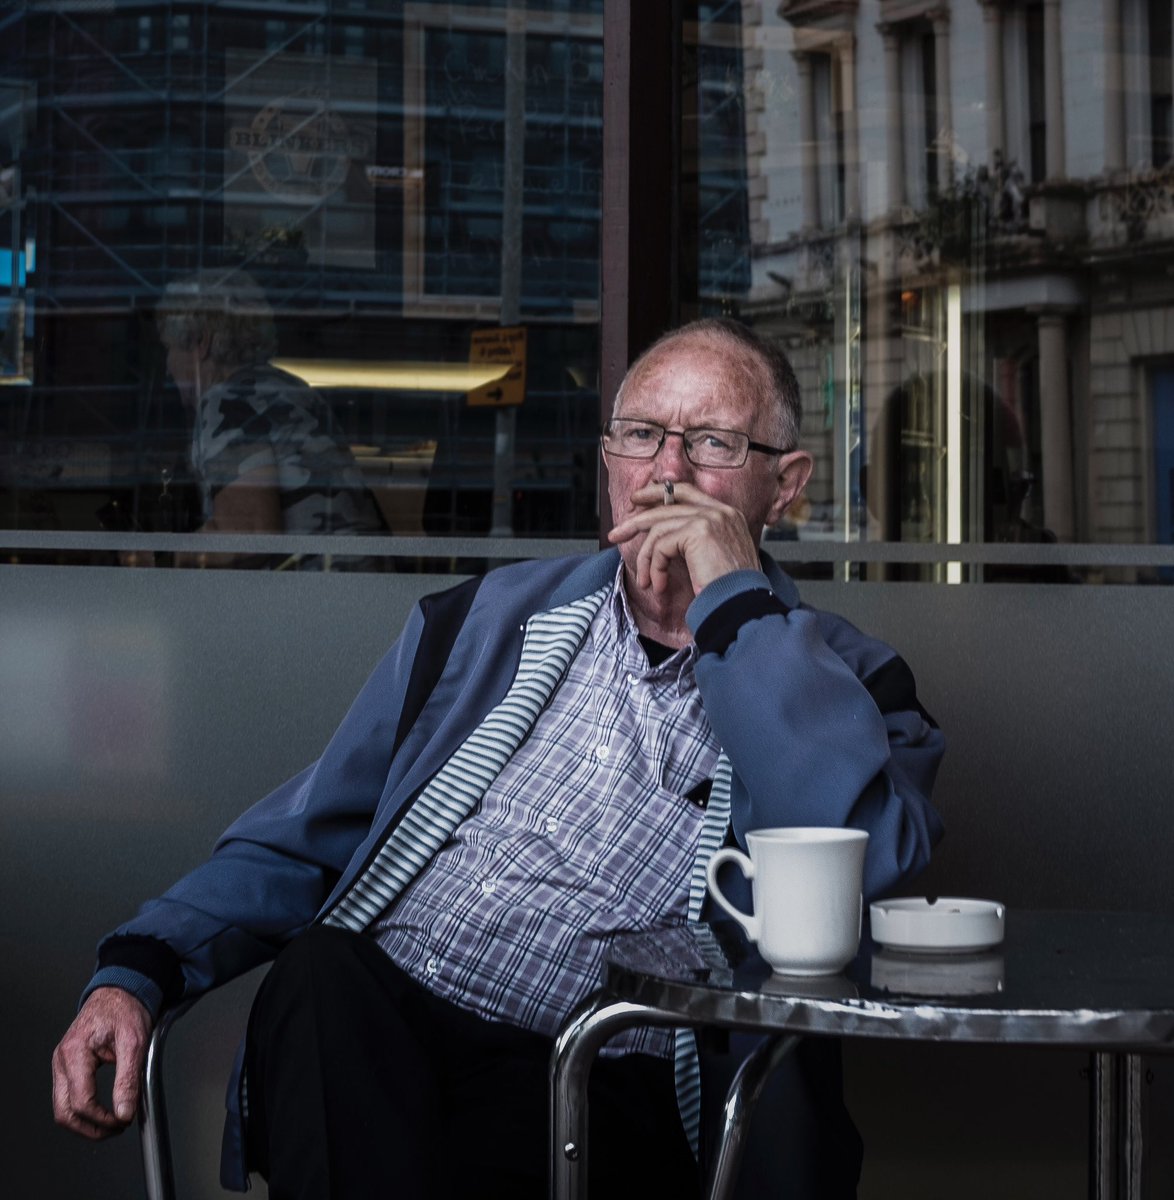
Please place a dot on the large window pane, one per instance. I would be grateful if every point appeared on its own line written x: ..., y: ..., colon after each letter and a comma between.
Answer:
x: 960, y: 225
x: 255, y: 264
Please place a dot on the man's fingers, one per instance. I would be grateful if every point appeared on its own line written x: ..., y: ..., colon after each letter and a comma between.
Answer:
x: 62, y: 1109
x: 96, y: 1125
x: 75, y: 1096
x: 696, y: 534
x: 130, y: 1048
x: 660, y: 548
x: 112, y: 1027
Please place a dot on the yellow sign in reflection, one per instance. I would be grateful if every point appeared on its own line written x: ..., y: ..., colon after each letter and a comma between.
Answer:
x: 507, y: 348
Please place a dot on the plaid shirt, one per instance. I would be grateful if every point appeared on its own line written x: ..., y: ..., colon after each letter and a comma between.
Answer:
x: 585, y: 833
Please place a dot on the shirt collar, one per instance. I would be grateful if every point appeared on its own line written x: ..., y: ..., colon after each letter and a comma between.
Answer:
x: 624, y: 636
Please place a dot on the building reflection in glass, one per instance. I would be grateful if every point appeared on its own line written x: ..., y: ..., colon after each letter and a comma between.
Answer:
x: 961, y: 224
x: 396, y: 180
x: 960, y: 211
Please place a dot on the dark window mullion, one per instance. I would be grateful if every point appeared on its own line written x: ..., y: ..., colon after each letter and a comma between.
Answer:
x: 640, y: 239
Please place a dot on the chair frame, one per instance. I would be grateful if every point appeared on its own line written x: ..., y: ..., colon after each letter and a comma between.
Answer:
x: 154, y: 1136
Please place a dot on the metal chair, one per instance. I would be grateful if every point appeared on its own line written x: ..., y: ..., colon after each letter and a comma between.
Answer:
x: 155, y: 1143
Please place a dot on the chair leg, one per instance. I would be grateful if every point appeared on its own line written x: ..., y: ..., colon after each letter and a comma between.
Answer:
x: 597, y: 1019
x: 154, y: 1140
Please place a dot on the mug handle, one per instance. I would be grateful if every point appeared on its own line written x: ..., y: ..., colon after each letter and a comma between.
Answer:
x: 749, y: 921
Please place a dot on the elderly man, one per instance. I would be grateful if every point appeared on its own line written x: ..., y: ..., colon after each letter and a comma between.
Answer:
x: 546, y: 758
x: 266, y: 452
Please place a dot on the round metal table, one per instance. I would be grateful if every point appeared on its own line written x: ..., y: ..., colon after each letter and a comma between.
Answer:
x: 1104, y: 981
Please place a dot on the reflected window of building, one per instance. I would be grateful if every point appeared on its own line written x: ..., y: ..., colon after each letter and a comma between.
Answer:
x: 1026, y: 122
x: 714, y: 185
x: 1161, y: 38
x: 829, y: 140
x: 1148, y: 41
x: 918, y: 105
x: 1161, y: 387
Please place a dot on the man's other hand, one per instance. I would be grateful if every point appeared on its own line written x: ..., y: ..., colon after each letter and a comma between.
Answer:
x: 112, y: 1027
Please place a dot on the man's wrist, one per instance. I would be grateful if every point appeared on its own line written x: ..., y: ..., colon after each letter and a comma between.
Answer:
x: 144, y: 990
x: 726, y: 604
x: 146, y: 967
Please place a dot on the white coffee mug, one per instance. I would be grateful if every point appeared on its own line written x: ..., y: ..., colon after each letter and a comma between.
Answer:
x: 807, y: 896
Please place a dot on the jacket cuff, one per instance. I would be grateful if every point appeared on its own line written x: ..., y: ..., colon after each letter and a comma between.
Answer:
x: 146, y: 967
x: 722, y: 608
x: 144, y: 990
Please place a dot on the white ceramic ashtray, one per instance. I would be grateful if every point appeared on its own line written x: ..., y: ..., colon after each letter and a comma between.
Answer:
x: 943, y: 925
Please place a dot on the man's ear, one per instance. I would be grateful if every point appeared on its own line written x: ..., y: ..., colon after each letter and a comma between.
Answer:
x: 793, y: 473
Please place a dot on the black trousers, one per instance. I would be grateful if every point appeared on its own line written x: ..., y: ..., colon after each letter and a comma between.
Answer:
x: 361, y: 1084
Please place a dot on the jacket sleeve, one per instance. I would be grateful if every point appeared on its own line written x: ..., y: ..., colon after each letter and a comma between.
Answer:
x: 274, y: 867
x: 821, y: 724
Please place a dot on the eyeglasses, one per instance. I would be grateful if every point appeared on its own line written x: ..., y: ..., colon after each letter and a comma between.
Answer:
x: 628, y: 437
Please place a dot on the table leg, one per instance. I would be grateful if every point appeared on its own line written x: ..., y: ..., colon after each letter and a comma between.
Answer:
x: 594, y: 1022
x: 1116, y: 1141
x: 740, y: 1102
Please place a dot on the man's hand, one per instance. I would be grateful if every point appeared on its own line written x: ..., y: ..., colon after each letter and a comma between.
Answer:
x: 708, y: 537
x: 112, y: 1027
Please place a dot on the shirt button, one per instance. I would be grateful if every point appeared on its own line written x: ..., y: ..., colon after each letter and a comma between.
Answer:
x: 552, y: 825
x: 633, y: 680
x: 432, y: 966
x: 601, y: 752
x: 488, y: 887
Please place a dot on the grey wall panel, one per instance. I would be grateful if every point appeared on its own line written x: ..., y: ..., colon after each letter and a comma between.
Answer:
x: 1056, y: 702
x: 141, y: 711
x: 1056, y: 792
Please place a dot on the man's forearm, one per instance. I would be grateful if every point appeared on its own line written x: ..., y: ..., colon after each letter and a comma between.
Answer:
x: 810, y: 742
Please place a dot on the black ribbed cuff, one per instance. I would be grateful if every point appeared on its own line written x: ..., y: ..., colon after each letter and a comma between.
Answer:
x: 148, y: 956
x: 719, y: 629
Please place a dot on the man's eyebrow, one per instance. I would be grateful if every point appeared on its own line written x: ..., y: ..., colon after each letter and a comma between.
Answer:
x: 718, y: 424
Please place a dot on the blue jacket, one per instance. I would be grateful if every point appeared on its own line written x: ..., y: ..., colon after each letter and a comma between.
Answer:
x: 820, y: 723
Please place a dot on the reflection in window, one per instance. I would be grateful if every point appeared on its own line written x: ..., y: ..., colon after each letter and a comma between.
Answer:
x: 984, y: 355
x: 829, y: 140
x: 1025, y: 119
x: 462, y: 127
x: 919, y: 108
x: 718, y: 215
x: 1161, y: 389
x: 350, y: 161
x: 1161, y: 51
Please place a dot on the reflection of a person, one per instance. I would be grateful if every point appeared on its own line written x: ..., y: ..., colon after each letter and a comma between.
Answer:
x: 546, y: 758
x: 897, y: 478
x: 265, y: 450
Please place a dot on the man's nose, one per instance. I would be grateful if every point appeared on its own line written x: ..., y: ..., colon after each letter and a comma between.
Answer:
x: 672, y: 453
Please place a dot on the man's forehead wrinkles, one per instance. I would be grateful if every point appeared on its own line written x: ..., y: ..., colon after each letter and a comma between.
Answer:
x: 701, y: 382
x: 707, y: 404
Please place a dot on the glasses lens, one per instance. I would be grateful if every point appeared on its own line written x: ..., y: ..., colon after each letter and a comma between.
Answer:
x: 629, y: 438
x: 716, y: 447
x: 633, y: 439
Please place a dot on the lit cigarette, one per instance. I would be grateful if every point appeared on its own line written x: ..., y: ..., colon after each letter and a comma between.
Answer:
x: 668, y: 491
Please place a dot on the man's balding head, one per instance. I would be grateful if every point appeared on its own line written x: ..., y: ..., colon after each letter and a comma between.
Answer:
x: 755, y: 366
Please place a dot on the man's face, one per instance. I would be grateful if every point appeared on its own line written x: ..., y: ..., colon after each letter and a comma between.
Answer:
x: 689, y: 385
x: 183, y: 365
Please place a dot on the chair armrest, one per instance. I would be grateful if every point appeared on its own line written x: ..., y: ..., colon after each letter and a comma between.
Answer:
x: 154, y: 1138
